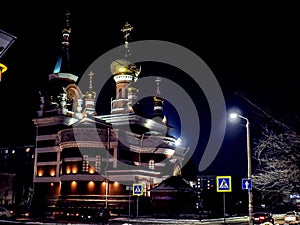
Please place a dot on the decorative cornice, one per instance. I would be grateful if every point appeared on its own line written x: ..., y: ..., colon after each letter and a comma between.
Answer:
x: 82, y: 177
x: 47, y: 121
x: 85, y: 134
x: 83, y: 144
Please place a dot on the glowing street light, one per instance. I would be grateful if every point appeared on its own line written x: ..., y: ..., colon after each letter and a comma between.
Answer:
x: 6, y: 40
x: 3, y: 68
x: 234, y: 116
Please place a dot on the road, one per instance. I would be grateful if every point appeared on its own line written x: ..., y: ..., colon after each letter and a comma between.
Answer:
x: 140, y: 221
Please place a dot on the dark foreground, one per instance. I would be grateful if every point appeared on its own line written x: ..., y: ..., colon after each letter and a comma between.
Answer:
x: 126, y: 221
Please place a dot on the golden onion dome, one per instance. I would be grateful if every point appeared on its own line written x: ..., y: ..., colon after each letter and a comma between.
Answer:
x: 90, y: 94
x: 124, y: 67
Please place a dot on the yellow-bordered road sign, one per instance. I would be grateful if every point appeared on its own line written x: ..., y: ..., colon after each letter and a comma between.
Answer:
x: 223, y: 183
x: 137, y: 189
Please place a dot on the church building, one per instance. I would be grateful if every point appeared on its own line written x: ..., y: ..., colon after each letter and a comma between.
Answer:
x: 87, y: 160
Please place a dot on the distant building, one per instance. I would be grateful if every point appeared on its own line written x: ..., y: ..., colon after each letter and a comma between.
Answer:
x: 174, y: 198
x: 6, y: 188
x: 16, y: 175
x: 85, y: 160
x: 205, y: 186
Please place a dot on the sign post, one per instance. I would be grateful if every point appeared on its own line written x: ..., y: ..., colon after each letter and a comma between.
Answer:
x: 129, y: 188
x: 224, y: 185
x: 137, y: 190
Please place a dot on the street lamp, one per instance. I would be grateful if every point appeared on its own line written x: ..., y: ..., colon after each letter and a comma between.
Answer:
x: 3, y: 68
x: 6, y: 40
x: 234, y: 116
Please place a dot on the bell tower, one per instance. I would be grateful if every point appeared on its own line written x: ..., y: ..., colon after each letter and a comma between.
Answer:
x: 124, y: 73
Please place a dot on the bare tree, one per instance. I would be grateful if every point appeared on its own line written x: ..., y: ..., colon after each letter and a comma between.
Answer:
x: 278, y: 157
x: 278, y: 164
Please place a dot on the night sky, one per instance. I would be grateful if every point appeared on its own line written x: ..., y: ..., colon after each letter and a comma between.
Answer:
x: 251, y: 49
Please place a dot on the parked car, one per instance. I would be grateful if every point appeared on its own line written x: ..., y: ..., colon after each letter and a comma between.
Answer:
x: 5, y: 213
x: 262, y: 217
x: 292, y: 217
x: 78, y: 214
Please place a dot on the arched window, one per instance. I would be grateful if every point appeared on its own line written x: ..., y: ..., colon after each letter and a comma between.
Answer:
x: 98, y: 164
x: 151, y: 164
x: 85, y: 163
x: 177, y: 171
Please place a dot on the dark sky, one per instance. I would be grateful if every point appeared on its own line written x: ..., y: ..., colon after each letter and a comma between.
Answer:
x: 251, y: 49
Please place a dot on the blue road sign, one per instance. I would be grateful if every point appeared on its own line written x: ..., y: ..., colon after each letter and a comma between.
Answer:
x: 223, y: 183
x: 246, y: 184
x: 137, y: 189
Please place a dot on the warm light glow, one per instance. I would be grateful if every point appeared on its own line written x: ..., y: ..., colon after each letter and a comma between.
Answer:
x: 52, y: 184
x: 52, y: 173
x: 74, y: 169
x: 91, y: 185
x: 116, y: 184
x: 73, y: 186
x: 68, y: 170
x: 40, y: 172
x: 91, y: 170
x: 27, y: 150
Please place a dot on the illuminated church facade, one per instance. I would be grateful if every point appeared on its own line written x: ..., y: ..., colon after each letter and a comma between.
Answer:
x: 83, y: 159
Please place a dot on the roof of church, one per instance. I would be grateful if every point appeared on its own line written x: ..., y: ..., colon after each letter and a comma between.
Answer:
x: 173, y: 183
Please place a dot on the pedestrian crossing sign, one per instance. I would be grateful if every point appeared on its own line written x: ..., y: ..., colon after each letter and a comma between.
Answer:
x: 137, y: 189
x: 223, y: 183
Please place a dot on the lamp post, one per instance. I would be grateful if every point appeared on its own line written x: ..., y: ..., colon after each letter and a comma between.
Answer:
x: 250, y: 203
x: 3, y: 68
x: 6, y: 40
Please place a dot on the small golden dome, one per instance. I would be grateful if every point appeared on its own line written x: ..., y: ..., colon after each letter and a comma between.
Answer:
x: 123, y: 66
x: 132, y: 89
x: 90, y: 94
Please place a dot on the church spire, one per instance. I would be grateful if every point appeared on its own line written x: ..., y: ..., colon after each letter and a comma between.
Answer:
x: 127, y: 31
x: 62, y: 67
x: 63, y: 63
x: 90, y: 97
x: 158, y: 103
x: 61, y: 76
